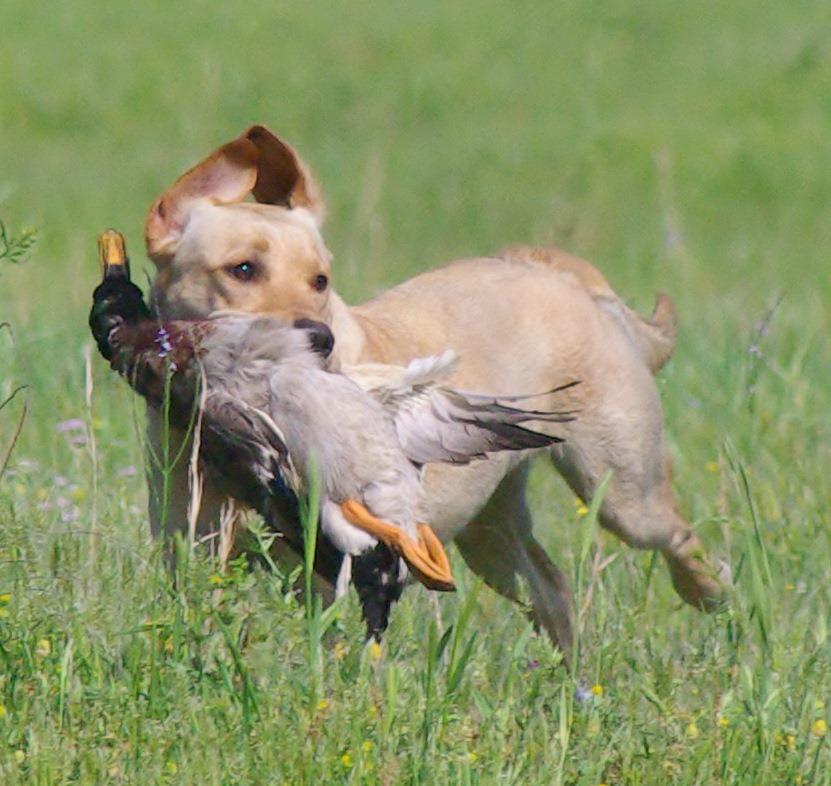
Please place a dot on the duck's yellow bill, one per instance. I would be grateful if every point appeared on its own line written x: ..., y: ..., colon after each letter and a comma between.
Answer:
x: 112, y: 254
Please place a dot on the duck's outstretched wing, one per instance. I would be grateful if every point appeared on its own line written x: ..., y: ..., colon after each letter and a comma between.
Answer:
x: 437, y: 423
x: 440, y: 424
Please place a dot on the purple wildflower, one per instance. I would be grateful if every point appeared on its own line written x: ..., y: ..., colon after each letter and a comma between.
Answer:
x: 68, y: 515
x: 73, y: 424
x: 162, y: 341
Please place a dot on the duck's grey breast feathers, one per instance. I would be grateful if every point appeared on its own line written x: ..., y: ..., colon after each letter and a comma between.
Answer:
x: 329, y: 421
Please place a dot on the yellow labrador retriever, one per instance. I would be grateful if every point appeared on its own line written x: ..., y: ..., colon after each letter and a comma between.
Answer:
x: 524, y: 322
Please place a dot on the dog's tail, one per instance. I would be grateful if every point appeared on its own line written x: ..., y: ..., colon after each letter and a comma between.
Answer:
x: 654, y: 337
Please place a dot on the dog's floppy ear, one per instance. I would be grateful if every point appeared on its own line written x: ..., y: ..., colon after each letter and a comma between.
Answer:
x: 256, y: 162
x: 225, y: 176
x: 282, y: 177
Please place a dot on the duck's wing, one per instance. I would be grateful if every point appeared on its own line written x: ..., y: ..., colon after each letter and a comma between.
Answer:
x: 246, y: 445
x: 441, y: 424
x: 437, y: 423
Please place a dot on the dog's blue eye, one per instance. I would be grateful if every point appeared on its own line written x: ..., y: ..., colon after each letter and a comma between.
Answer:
x: 244, y: 271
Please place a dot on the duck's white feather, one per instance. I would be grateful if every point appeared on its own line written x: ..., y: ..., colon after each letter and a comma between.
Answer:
x: 346, y: 537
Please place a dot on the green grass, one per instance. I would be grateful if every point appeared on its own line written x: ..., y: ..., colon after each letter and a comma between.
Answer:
x: 681, y: 147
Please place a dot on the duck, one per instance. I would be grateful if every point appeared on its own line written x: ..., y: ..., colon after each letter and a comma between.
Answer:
x: 277, y: 419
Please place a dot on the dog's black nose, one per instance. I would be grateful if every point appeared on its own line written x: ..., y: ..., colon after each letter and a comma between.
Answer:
x: 321, y: 337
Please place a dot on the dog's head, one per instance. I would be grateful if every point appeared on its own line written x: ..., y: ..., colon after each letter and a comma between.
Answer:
x: 215, y: 252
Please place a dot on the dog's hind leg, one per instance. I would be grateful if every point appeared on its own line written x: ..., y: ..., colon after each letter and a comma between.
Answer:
x: 499, y: 546
x: 654, y: 523
x: 638, y: 504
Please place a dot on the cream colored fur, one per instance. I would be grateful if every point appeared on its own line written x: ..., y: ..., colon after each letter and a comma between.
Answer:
x: 525, y: 321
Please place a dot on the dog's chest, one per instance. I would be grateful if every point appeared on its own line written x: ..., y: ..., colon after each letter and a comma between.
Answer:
x: 452, y: 495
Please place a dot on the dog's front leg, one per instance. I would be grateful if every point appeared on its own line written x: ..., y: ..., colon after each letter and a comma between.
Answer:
x: 499, y: 546
x: 170, y: 496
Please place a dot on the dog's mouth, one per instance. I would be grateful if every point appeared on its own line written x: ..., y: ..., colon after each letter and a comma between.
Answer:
x: 321, y: 338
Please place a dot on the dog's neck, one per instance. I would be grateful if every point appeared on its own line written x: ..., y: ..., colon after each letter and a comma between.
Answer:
x: 350, y: 337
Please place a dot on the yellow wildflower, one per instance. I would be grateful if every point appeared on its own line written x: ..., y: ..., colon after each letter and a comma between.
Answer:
x: 692, y: 731
x: 78, y: 494
x: 215, y: 579
x: 790, y: 741
x: 819, y: 705
x: 472, y: 757
x: 322, y: 705
x: 375, y: 651
x: 819, y: 728
x: 2, y: 711
x: 597, y: 690
x: 43, y: 648
x: 346, y: 760
x: 5, y: 598
x: 20, y: 756
x: 582, y: 511
x: 172, y: 767
x: 723, y: 722
x: 711, y: 466
x: 366, y: 747
x: 341, y: 651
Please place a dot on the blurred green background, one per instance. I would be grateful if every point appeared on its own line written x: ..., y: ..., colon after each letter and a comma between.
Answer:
x: 441, y: 129
x: 681, y: 147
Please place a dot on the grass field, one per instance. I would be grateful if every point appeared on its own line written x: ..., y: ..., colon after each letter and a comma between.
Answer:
x: 681, y: 147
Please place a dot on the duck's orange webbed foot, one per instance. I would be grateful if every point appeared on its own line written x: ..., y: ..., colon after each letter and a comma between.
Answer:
x: 426, y: 558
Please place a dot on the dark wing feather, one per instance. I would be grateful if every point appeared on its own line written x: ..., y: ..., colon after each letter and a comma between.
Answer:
x: 440, y: 424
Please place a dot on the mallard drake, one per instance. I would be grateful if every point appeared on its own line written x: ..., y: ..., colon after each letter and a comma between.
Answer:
x: 272, y: 413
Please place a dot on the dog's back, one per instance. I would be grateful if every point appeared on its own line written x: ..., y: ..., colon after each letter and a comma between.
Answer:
x: 655, y: 338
